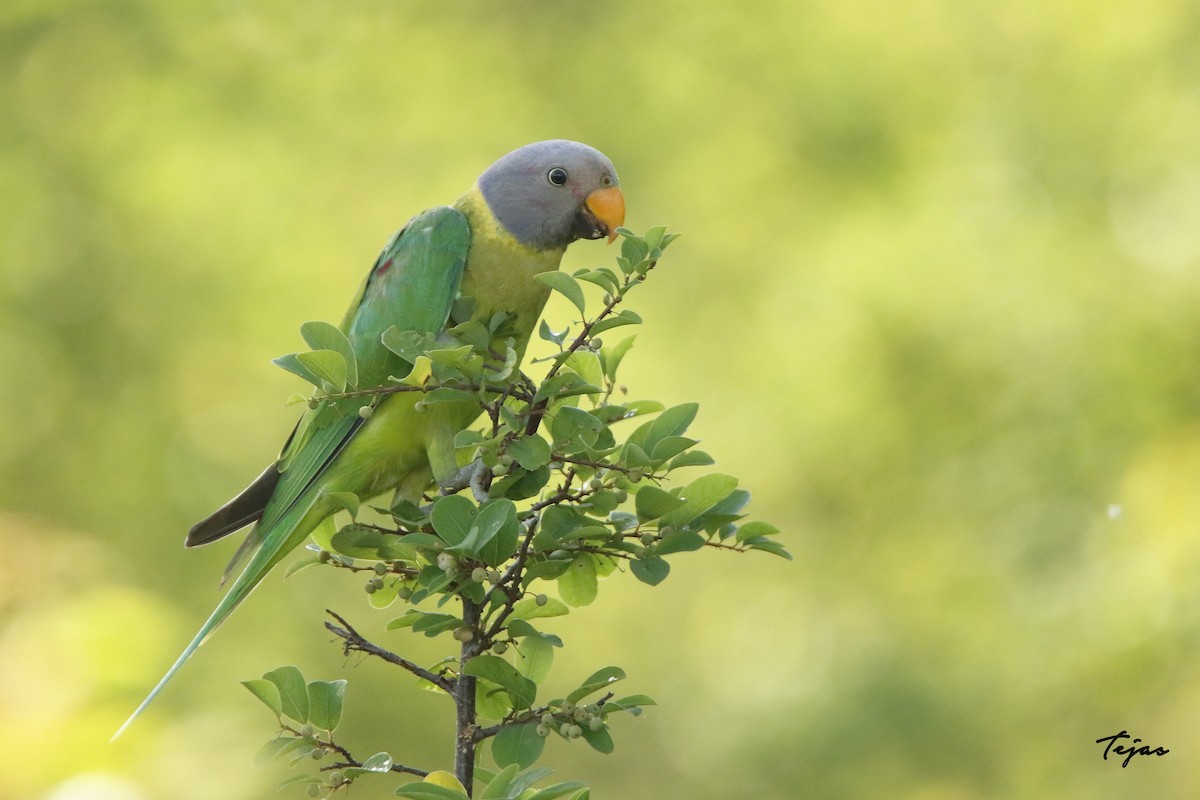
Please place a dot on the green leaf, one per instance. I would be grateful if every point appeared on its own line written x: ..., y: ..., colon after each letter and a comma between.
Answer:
x: 358, y: 541
x: 328, y: 365
x: 519, y: 484
x: 267, y: 692
x: 500, y: 786
x: 756, y: 528
x: 323, y: 336
x: 600, y: 740
x: 673, y: 421
x: 700, y: 495
x: 546, y: 570
x: 533, y: 658
x: 518, y: 745
x: 577, y: 586
x: 558, y: 790
x: 277, y: 747
x: 296, y: 780
x: 586, y: 364
x: 692, y: 458
x: 679, y: 541
x: 633, y: 703
x: 652, y: 569
x: 521, y: 690
x: 634, y: 250
x: 530, y: 452
x: 671, y: 446
x: 652, y: 502
x: 551, y: 336
x: 380, y: 762
x: 432, y: 623
x: 612, y: 357
x: 292, y: 363
x: 572, y: 425
x: 564, y: 384
x: 769, y: 546
x: 527, y: 608
x: 625, y: 317
x: 494, y: 532
x: 325, y: 703
x: 600, y: 679
x: 293, y: 692
x: 408, y: 344
x: 527, y: 778
x: 385, y: 595
x: 452, y: 517
x: 603, y: 277
x: 564, y: 284
x: 419, y: 790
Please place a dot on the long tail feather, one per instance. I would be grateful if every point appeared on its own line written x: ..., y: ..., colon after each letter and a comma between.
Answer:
x: 276, y: 543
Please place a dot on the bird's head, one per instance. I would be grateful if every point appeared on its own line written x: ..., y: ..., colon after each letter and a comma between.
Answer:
x: 548, y: 194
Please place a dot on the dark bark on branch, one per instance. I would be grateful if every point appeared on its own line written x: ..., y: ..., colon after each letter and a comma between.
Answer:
x: 354, y: 642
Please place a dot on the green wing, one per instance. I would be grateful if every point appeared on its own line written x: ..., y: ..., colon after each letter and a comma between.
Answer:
x: 413, y: 286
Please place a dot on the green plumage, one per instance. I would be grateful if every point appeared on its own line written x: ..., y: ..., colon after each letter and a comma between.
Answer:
x: 442, y: 256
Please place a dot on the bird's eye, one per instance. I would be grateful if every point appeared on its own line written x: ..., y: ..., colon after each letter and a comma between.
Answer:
x: 557, y: 176
x: 606, y: 181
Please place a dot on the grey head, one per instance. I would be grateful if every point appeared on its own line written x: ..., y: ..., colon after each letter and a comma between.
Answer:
x: 548, y: 194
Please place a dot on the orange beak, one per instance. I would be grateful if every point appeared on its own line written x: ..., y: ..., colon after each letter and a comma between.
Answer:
x: 608, y: 206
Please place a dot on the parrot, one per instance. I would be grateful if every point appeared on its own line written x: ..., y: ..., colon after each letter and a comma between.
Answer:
x: 448, y: 265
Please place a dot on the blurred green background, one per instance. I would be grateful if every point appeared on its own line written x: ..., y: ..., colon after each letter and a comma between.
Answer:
x: 937, y: 296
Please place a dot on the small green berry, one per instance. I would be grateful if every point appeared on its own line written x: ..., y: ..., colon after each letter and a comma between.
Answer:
x: 381, y: 569
x: 366, y: 411
x: 567, y: 707
x: 500, y: 469
x: 307, y: 731
x: 541, y: 599
x: 374, y: 585
x: 317, y: 754
x: 560, y: 554
x: 500, y: 648
x: 447, y: 562
x: 575, y: 732
x: 479, y: 575
x: 324, y: 556
x: 547, y: 718
x: 593, y: 709
x: 594, y: 483
x: 580, y: 714
x: 595, y: 723
x: 314, y: 790
x: 543, y: 729
x: 597, y: 343
x: 565, y: 729
x: 622, y: 495
x: 493, y: 576
x: 464, y: 634
x: 404, y: 592
x: 647, y: 538
x: 336, y: 779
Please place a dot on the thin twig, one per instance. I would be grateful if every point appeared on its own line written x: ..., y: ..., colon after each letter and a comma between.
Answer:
x: 354, y: 641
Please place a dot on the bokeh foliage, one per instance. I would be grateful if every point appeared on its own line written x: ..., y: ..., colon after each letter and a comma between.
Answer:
x: 936, y: 298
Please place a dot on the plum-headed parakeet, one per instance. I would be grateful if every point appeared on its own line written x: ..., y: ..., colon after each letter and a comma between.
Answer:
x: 448, y: 265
